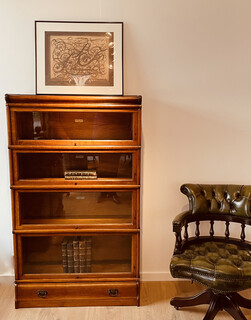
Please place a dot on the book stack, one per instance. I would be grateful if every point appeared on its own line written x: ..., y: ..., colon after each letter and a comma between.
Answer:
x: 80, y: 174
x: 77, y: 255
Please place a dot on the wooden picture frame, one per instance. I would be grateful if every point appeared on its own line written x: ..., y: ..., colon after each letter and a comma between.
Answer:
x: 82, y: 58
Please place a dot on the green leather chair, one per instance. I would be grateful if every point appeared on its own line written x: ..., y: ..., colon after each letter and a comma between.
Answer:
x: 221, y: 263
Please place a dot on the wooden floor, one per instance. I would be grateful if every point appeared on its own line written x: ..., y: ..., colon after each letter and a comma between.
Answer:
x: 155, y: 298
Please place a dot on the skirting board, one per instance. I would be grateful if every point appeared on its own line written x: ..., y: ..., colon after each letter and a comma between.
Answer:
x: 156, y: 276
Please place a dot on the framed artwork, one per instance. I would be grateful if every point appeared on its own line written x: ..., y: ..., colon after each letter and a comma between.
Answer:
x: 79, y: 57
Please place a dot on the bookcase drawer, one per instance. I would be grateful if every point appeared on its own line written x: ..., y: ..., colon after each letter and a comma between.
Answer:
x: 78, y: 294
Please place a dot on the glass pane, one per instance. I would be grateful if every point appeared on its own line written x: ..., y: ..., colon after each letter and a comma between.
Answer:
x: 74, y: 125
x: 83, y: 254
x: 74, y: 166
x: 69, y: 207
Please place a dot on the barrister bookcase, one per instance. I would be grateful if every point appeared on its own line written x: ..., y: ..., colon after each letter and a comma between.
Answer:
x: 75, y: 185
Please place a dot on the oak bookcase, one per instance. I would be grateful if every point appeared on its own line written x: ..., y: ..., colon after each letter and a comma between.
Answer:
x: 76, y: 238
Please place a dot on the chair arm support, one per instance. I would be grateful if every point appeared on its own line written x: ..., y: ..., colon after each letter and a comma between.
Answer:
x: 180, y: 220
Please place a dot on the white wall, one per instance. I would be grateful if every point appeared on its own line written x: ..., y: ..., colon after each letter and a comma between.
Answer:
x: 191, y: 61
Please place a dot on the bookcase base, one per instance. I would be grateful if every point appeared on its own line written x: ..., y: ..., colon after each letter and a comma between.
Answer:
x: 77, y: 294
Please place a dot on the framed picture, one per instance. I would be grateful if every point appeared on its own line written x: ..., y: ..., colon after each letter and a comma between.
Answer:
x: 79, y: 57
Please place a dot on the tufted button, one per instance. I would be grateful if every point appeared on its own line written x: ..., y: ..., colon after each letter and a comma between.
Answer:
x: 225, y: 194
x: 215, y: 261
x: 238, y: 194
x: 213, y: 193
x: 202, y: 192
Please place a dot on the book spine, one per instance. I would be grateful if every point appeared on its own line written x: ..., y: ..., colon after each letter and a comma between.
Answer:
x: 80, y: 177
x: 76, y: 256
x: 89, y: 254
x: 80, y: 173
x: 82, y: 257
x: 70, y: 257
x: 64, y: 257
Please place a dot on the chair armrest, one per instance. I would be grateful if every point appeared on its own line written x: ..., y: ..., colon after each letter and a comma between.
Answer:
x: 180, y: 220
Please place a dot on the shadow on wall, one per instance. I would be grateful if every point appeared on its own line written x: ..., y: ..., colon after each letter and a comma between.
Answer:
x: 6, y: 264
x: 182, y: 145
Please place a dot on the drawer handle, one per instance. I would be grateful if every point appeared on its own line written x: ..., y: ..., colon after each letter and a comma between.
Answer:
x: 113, y: 292
x: 42, y: 293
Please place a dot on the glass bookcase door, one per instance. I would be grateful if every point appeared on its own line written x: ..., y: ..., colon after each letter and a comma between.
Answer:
x: 92, y: 254
x: 97, y: 207
x: 81, y: 126
x: 69, y: 167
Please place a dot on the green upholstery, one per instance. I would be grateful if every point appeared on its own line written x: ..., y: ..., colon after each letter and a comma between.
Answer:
x: 218, y: 265
x: 221, y: 199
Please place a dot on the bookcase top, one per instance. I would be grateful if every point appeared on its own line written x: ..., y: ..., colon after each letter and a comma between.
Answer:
x: 73, y: 101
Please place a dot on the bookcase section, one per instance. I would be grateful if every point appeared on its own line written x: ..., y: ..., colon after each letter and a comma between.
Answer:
x: 75, y: 180
x: 83, y: 208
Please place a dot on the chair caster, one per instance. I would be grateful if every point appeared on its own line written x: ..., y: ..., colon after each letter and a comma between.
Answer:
x: 177, y: 308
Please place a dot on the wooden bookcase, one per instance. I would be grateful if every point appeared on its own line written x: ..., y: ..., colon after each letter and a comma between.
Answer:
x: 76, y: 240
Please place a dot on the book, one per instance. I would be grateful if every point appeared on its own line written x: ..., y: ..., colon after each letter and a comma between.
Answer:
x: 80, y: 177
x: 88, y: 252
x: 76, y: 255
x: 64, y: 256
x: 80, y: 173
x: 70, y: 257
x: 82, y: 255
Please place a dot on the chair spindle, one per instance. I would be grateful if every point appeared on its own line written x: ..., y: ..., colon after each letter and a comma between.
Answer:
x: 197, y: 231
x: 186, y: 232
x: 178, y: 240
x: 211, y: 228
x: 227, y: 233
x: 243, y: 236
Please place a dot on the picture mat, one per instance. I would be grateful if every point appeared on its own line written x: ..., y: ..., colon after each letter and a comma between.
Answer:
x: 116, y: 28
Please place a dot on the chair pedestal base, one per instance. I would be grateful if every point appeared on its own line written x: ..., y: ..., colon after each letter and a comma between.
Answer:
x: 229, y: 301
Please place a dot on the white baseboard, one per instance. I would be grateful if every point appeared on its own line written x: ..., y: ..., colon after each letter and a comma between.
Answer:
x: 156, y: 276
x: 7, y: 274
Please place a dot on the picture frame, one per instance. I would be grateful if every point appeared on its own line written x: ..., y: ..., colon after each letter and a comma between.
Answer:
x: 79, y: 58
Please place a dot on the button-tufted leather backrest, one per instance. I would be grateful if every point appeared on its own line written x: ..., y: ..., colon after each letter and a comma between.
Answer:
x: 219, y: 198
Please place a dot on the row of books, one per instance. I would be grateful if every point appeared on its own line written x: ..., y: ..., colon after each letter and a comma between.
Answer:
x: 80, y: 174
x: 77, y: 254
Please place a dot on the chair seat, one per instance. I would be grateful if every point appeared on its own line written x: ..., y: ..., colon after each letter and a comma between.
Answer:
x: 218, y: 265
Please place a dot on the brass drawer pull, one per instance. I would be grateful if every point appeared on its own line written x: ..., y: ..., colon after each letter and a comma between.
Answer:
x: 42, y: 293
x: 113, y: 292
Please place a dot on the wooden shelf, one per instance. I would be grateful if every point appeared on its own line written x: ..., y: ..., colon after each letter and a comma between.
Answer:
x: 85, y: 221
x: 97, y: 267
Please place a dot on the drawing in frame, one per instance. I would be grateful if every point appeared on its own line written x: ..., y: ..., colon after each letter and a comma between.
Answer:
x: 82, y: 58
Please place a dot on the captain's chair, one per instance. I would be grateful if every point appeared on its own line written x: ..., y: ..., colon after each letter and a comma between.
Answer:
x: 221, y: 263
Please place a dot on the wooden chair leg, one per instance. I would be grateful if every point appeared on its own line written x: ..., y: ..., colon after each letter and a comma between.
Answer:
x: 203, y: 297
x: 230, y: 302
x: 241, y: 301
x: 214, y: 308
x: 233, y: 309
